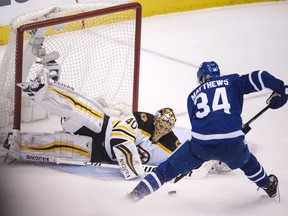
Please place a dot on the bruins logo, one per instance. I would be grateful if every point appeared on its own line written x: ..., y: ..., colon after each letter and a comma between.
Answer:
x: 143, y: 154
x: 143, y: 117
x: 177, y: 143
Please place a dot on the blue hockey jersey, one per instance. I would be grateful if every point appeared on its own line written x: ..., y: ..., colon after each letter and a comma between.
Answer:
x: 215, y: 106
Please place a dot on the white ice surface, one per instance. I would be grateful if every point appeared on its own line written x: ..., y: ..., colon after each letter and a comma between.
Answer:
x: 240, y: 39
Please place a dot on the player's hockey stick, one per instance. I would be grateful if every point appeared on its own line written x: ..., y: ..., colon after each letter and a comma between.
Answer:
x: 201, y: 172
x: 245, y: 128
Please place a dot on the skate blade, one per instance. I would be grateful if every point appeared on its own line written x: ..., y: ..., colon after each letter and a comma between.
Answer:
x: 22, y: 85
x: 277, y: 196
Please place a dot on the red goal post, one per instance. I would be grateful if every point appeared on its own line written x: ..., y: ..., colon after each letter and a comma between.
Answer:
x: 99, y: 47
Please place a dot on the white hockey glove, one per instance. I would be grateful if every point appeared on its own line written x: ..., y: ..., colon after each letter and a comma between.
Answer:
x: 129, y: 160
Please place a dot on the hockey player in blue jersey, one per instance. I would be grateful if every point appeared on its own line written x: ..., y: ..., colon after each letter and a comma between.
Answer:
x: 214, y: 109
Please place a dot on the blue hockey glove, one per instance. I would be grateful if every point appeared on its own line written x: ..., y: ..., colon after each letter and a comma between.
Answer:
x: 278, y: 99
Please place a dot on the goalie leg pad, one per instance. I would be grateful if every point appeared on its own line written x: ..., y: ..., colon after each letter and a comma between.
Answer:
x: 78, y: 110
x: 47, y: 147
x: 61, y: 100
x: 129, y: 160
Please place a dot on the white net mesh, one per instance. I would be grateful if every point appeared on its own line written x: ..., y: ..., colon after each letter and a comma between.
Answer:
x: 97, y: 54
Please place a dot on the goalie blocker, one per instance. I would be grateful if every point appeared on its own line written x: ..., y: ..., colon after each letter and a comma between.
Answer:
x: 129, y: 160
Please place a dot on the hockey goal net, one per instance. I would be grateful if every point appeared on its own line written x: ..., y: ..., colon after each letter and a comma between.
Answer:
x: 99, y: 53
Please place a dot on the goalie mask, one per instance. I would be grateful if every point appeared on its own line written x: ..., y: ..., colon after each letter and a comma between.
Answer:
x: 164, y: 121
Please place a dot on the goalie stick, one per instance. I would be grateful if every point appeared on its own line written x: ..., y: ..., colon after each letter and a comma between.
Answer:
x: 197, y: 174
x: 245, y: 128
x: 147, y: 168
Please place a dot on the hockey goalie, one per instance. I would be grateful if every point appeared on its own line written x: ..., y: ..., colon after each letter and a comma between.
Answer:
x: 89, y: 133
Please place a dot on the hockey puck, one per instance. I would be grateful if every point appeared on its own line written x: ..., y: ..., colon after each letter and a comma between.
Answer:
x: 172, y: 192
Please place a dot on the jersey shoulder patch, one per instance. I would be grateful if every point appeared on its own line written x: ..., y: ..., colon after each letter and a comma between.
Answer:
x: 145, y: 121
x: 169, y: 142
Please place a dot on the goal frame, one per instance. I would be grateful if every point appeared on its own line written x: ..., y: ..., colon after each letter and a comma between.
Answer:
x: 20, y: 45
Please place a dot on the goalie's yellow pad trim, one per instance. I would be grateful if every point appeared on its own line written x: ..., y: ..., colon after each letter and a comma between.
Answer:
x: 58, y: 146
x: 77, y: 103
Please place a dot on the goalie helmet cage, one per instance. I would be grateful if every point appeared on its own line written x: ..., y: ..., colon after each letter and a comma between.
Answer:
x: 99, y: 47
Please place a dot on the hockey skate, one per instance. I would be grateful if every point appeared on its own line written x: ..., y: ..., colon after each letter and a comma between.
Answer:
x: 133, y: 197
x: 4, y: 146
x: 30, y: 87
x: 12, y: 144
x: 36, y: 89
x: 271, y: 188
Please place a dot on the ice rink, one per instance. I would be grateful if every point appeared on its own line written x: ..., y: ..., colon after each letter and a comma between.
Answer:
x: 240, y: 39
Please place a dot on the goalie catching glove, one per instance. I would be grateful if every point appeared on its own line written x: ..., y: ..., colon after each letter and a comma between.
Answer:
x: 129, y: 160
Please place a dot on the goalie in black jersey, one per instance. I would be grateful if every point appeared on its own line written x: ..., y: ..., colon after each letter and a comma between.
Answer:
x: 90, y: 135
x: 91, y: 132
